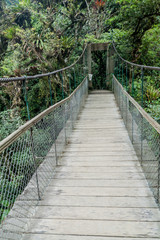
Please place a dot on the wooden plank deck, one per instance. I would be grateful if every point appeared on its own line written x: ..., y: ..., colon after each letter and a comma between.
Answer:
x: 99, y: 191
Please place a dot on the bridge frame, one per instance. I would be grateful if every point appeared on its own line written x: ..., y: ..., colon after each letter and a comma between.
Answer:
x: 92, y: 47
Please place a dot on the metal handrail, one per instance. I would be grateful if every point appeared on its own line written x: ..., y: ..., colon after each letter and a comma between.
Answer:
x: 14, y: 79
x: 12, y: 137
x: 134, y: 64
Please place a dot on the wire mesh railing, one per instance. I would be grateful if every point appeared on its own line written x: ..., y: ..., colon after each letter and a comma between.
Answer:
x: 141, y: 82
x: 29, y: 155
x: 144, y: 133
x: 28, y: 158
x: 136, y: 89
x: 33, y: 94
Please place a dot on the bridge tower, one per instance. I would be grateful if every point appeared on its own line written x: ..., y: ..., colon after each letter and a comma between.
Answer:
x: 92, y: 47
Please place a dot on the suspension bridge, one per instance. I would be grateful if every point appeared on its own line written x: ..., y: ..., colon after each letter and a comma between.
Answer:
x: 90, y: 163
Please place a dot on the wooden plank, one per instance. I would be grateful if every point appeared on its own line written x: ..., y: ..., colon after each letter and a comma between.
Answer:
x: 122, y: 153
x: 108, y: 176
x: 103, y: 202
x: 101, y: 163
x: 99, y: 46
x: 99, y: 191
x: 81, y: 237
x: 98, y: 213
x: 96, y: 228
x: 99, y: 183
x: 102, y: 158
x: 100, y: 169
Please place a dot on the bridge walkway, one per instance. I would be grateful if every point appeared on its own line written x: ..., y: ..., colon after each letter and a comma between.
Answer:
x: 99, y: 191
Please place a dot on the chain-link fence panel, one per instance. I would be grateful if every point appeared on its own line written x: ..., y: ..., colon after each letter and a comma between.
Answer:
x: 144, y: 133
x: 28, y: 158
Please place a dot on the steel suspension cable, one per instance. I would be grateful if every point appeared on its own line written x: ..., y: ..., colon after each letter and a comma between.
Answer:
x: 14, y: 79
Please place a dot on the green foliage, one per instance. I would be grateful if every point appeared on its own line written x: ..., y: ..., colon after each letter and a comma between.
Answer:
x: 24, y: 3
x: 150, y: 46
x: 154, y: 111
x: 10, y: 32
x: 9, y: 122
x: 152, y: 94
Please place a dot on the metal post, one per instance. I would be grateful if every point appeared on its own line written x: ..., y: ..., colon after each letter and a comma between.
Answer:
x: 70, y: 89
x: 142, y: 117
x: 50, y: 88
x: 132, y: 125
x: 84, y: 60
x: 126, y: 76
x: 71, y: 113
x: 74, y: 76
x: 119, y: 97
x: 26, y: 98
x: 37, y: 182
x: 158, y: 185
x: 132, y: 81
x: 126, y: 111
x: 108, y: 67
x: 122, y: 75
x: 55, y: 148
x: 120, y: 72
x: 55, y: 144
x: 115, y: 72
x: 142, y: 79
x: 112, y: 83
x: 61, y: 77
x: 64, y: 123
x: 117, y: 69
x: 141, y: 139
x: 89, y: 59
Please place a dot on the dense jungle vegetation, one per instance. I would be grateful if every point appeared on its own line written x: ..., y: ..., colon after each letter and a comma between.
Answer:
x: 38, y: 36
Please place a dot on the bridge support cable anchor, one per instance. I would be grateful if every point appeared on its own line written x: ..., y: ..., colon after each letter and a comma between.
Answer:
x: 35, y: 165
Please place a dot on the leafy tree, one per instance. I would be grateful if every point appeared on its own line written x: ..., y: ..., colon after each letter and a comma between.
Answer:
x: 39, y: 36
x: 136, y: 17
